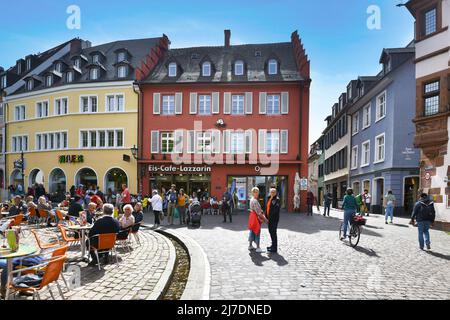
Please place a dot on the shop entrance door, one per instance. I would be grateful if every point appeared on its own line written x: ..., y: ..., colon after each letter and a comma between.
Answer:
x: 411, y: 192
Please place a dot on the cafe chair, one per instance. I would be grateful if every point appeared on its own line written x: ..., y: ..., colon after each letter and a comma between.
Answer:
x: 51, y: 241
x: 32, y: 215
x: 123, y: 238
x: 43, y: 216
x: 135, y: 232
x: 59, y: 216
x: 106, y: 244
x: 66, y: 238
x: 46, y: 274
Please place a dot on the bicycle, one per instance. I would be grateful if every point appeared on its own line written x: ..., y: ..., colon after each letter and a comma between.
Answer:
x: 355, y: 230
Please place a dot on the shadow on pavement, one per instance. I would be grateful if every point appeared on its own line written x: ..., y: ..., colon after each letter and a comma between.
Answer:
x: 439, y: 255
x: 278, y: 258
x: 368, y: 252
x: 258, y: 258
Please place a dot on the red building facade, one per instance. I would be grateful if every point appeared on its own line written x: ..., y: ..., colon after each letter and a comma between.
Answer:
x: 228, y: 117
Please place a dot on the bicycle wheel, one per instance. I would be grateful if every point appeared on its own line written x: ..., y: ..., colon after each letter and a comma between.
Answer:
x: 355, y: 234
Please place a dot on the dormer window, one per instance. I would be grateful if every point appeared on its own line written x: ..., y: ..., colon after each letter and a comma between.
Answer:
x: 239, y: 68
x: 19, y: 67
x: 349, y: 92
x: 77, y: 63
x: 206, y: 69
x: 69, y: 77
x: 95, y: 58
x: 49, y: 81
x: 122, y: 71
x: 172, y: 69
x: 58, y: 67
x: 121, y: 56
x: 94, y: 74
x: 361, y: 91
x: 28, y: 64
x: 273, y: 66
x: 30, y: 85
x: 3, y: 82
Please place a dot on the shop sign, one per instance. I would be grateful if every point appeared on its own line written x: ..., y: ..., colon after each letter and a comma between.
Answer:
x: 408, y: 153
x: 180, y: 168
x: 304, y: 184
x: 71, y: 159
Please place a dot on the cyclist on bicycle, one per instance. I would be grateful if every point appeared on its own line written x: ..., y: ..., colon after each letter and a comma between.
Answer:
x: 350, y: 206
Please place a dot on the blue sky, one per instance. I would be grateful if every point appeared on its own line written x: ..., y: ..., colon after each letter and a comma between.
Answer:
x: 334, y: 32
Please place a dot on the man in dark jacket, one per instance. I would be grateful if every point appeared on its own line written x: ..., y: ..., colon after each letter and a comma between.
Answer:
x: 425, y: 214
x: 106, y: 224
x: 327, y: 204
x: 273, y: 215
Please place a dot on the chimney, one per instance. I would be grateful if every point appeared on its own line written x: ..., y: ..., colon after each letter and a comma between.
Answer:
x: 227, y: 38
x: 75, y: 46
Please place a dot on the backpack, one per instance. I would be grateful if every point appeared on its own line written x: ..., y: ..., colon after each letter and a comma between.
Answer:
x: 428, y: 212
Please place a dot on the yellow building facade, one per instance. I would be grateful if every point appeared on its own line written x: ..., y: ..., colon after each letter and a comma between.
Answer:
x: 73, y: 134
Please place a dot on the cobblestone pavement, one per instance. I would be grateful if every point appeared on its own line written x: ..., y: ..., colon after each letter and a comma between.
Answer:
x: 135, y: 277
x: 313, y: 264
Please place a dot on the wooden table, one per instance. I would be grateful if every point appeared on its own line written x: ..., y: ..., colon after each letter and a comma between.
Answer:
x: 6, y: 253
x: 82, y: 230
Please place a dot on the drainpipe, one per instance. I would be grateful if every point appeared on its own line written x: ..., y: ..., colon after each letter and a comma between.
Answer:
x: 138, y: 91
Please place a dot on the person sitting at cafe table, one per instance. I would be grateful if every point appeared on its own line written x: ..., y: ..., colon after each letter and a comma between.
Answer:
x: 66, y: 202
x: 90, y: 212
x: 96, y: 199
x: 47, y: 206
x: 137, y: 213
x: 17, y: 207
x: 104, y: 225
x: 75, y: 207
x: 126, y: 220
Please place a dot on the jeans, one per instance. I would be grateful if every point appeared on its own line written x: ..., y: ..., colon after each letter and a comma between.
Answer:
x: 170, y: 210
x: 310, y: 209
x: 424, y: 232
x: 389, y: 212
x: 255, y: 238
x: 182, y: 211
x: 327, y: 209
x: 348, y: 215
x: 273, y: 225
x: 157, y: 215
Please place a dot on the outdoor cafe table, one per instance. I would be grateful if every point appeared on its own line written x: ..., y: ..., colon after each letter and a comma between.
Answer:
x: 82, y: 230
x: 8, y: 255
x: 4, y: 214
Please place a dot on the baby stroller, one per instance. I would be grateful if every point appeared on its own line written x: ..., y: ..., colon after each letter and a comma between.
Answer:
x: 195, y: 213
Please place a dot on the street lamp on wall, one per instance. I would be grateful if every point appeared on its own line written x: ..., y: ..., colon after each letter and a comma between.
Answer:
x: 134, y: 151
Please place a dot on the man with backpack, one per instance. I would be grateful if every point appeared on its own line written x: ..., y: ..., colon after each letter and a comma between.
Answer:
x: 226, y: 205
x: 172, y: 199
x: 425, y: 214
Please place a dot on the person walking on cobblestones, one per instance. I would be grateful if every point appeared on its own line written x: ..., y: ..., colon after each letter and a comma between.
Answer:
x: 273, y: 215
x: 254, y: 222
x: 425, y: 214
x: 172, y: 198
x: 327, y: 204
x: 157, y: 206
x: 310, y: 202
x: 349, y: 205
x: 367, y: 201
x: 389, y: 204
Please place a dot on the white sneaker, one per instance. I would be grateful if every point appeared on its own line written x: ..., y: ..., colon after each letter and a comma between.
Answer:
x: 258, y: 250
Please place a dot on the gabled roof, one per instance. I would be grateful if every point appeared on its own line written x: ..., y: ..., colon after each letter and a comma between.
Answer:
x: 255, y: 57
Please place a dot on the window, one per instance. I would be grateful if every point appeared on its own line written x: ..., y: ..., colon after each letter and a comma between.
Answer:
x: 77, y: 63
x: 355, y: 123
x: 69, y: 77
x: 237, y: 145
x: 204, y: 104
x: 94, y: 73
x: 121, y: 56
x: 19, y: 143
x: 273, y: 104
x: 204, y: 142
x: 354, y: 157
x: 88, y: 104
x: 366, y: 116
x: 239, y: 68
x: 102, y: 138
x: 58, y: 67
x: 114, y: 103
x: 61, y: 106
x: 206, y: 69
x: 167, y: 142
x: 349, y: 92
x: 49, y: 81
x: 28, y: 63
x: 19, y: 67
x: 430, y: 22
x: 95, y: 58
x: 42, y: 109
x: 272, y: 142
x: 30, y: 84
x: 51, y: 141
x: 237, y: 104
x: 381, y: 106
x: 168, y: 105
x: 19, y: 113
x: 273, y: 66
x: 431, y: 98
x: 3, y: 82
x: 379, y: 148
x: 172, y: 69
x: 365, y: 154
x: 122, y: 71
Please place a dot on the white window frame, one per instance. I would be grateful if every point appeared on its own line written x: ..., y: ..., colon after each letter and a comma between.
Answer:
x: 23, y: 143
x: 365, y: 164
x: 270, y: 104
x: 269, y: 148
x: 121, y: 56
x: 20, y: 112
x: 377, y: 158
x: 236, y: 98
x: 60, y: 100
x: 354, y: 158
x: 203, y: 104
x: 30, y: 84
x: 355, y: 124
x: 69, y: 79
x: 41, y: 104
x: 367, y: 109
x: 239, y: 64
x: 3, y: 82
x: 95, y: 58
x: 378, y: 106
x: 107, y: 131
x: 115, y: 106
x: 58, y: 67
x: 89, y: 97
x: 28, y: 64
x: 94, y: 73
x: 56, y: 136
x: 77, y: 63
x: 172, y: 69
x: 206, y: 69
x: 204, y: 142
x: 168, y: 98
x: 167, y: 136
x: 272, y: 64
x: 48, y: 81
x: 122, y: 71
x: 237, y: 142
